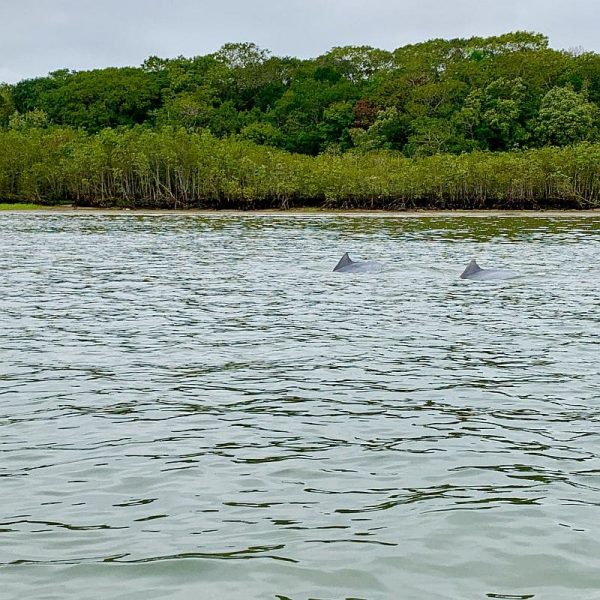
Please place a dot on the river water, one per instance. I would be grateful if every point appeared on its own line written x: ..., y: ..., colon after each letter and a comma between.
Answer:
x: 197, y: 407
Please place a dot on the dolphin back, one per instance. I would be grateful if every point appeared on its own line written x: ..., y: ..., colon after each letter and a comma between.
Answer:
x: 345, y: 261
x: 472, y: 269
x: 475, y: 272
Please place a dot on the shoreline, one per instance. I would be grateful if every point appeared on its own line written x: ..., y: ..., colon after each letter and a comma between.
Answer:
x: 297, y: 212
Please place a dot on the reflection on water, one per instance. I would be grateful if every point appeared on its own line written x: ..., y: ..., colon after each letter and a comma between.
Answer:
x: 198, y: 407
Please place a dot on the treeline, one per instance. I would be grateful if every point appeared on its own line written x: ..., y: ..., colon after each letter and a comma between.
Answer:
x: 174, y: 168
x: 503, y: 122
x: 442, y: 96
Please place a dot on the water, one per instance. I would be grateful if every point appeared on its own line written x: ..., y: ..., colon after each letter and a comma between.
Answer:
x: 196, y: 407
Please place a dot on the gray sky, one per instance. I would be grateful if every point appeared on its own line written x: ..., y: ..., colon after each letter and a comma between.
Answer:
x: 38, y: 36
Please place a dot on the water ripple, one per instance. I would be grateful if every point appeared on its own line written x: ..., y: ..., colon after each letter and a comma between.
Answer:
x: 198, y: 407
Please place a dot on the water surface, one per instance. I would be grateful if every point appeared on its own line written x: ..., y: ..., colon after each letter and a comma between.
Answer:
x: 197, y: 407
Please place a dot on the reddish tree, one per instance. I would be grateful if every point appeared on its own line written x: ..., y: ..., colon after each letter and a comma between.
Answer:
x: 365, y: 114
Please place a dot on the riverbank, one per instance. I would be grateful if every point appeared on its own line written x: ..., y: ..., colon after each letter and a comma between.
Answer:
x: 19, y: 207
x: 293, y: 212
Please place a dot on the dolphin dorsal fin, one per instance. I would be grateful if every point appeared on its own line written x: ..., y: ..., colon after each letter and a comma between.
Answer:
x: 472, y: 268
x: 344, y: 262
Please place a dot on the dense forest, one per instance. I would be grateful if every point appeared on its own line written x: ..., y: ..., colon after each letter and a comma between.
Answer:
x: 479, y: 122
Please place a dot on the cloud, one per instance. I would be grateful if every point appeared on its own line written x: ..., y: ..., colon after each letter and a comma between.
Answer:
x: 38, y: 36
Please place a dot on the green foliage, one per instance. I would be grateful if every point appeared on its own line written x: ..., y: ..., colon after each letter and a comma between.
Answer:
x: 20, y: 206
x: 92, y: 99
x: 585, y: 75
x: 358, y: 63
x: 496, y: 115
x: 7, y: 107
x: 566, y: 117
x: 30, y: 120
x: 242, y: 56
x: 437, y: 96
x: 314, y: 113
x: 172, y: 168
x: 389, y: 132
x: 262, y: 133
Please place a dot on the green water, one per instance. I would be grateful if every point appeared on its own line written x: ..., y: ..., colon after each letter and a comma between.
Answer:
x: 197, y: 407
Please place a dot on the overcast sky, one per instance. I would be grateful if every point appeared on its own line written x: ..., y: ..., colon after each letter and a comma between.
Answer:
x: 38, y: 36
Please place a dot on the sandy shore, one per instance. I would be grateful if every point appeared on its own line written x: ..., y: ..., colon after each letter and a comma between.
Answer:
x: 70, y: 210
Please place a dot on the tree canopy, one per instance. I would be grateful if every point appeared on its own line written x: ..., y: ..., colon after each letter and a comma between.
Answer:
x: 441, y: 96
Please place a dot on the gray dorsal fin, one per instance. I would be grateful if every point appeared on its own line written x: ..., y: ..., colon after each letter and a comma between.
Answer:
x: 344, y: 262
x: 472, y: 268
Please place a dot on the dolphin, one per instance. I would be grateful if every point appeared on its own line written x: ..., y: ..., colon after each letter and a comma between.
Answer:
x: 347, y: 265
x: 475, y: 272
